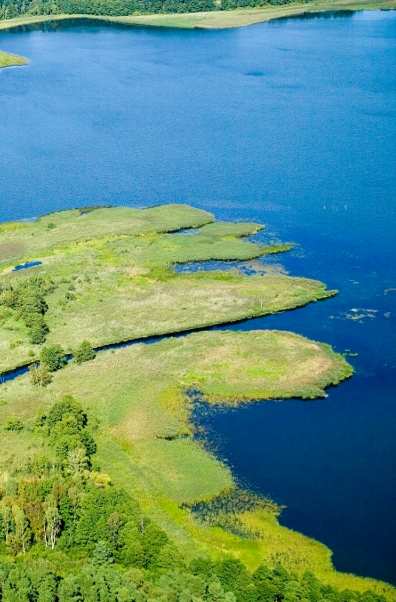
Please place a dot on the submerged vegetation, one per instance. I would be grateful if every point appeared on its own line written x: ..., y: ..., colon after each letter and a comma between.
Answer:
x: 114, y: 497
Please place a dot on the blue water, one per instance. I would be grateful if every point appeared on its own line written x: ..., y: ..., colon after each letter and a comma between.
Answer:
x: 291, y: 123
x: 27, y: 266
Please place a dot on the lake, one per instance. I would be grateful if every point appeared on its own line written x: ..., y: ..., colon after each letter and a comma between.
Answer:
x: 291, y: 123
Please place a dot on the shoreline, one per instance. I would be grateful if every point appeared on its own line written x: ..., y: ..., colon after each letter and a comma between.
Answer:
x: 146, y: 443
x: 21, y: 369
x: 154, y: 276
x: 11, y: 60
x: 214, y: 19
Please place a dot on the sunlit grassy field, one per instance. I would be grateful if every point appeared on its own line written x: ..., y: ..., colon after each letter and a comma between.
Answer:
x: 113, y: 277
x: 145, y: 433
x: 139, y: 396
x: 11, y: 60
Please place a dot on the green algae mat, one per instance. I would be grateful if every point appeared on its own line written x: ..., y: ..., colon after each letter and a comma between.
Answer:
x: 108, y: 275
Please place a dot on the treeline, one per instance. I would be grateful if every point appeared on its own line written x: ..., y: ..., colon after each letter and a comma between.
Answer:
x: 28, y: 300
x: 232, y: 4
x: 14, y: 8
x: 68, y: 535
x: 200, y: 581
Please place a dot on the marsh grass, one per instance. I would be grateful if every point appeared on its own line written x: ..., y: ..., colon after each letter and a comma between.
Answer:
x: 139, y: 394
x: 113, y: 276
x: 11, y: 60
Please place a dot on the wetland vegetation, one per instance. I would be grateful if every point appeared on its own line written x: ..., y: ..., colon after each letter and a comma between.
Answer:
x: 107, y: 276
x: 11, y: 60
x: 106, y: 492
x: 69, y: 534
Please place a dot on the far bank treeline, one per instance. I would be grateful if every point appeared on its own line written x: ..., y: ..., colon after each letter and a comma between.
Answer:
x: 14, y: 8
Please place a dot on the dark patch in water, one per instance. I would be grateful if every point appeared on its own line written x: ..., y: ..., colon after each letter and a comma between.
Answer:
x: 255, y: 73
x: 311, y: 16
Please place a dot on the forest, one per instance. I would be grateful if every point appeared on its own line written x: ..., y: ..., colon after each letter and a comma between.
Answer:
x: 14, y: 8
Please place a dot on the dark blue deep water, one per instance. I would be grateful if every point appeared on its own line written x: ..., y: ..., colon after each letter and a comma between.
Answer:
x: 291, y: 123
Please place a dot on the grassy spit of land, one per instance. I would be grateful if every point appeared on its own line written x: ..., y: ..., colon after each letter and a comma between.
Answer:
x: 111, y: 277
x: 11, y: 60
x: 146, y: 444
x: 217, y: 19
x: 107, y: 274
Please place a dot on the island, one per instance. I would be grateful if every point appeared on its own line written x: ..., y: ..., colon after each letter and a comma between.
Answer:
x: 105, y: 483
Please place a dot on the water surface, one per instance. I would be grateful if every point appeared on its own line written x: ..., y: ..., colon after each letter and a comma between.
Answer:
x: 292, y: 123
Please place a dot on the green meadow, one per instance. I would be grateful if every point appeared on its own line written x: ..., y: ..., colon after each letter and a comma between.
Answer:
x: 108, y: 275
x: 111, y: 277
x: 139, y: 397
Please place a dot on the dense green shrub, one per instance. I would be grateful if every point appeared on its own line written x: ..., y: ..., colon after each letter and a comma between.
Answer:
x: 28, y: 299
x: 53, y: 358
x: 40, y: 376
x: 14, y: 424
x: 66, y: 426
x: 84, y: 353
x: 38, y: 329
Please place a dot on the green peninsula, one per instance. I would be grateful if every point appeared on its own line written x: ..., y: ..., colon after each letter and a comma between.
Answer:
x: 11, y: 60
x: 107, y: 275
x: 105, y: 488
x: 146, y: 444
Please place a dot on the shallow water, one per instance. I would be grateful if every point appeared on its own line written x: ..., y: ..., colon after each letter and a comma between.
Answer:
x: 292, y: 123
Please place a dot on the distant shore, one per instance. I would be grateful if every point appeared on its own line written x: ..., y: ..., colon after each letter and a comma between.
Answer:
x: 215, y: 19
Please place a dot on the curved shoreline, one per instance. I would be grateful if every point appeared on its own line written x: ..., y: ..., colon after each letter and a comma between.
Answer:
x: 148, y: 421
x: 161, y: 445
x: 228, y: 19
x: 263, y: 30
